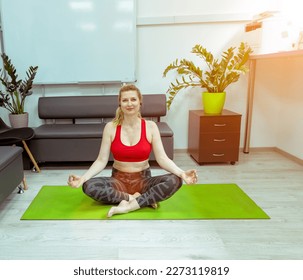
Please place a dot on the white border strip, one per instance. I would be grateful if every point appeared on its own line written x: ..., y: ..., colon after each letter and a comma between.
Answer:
x: 186, y: 19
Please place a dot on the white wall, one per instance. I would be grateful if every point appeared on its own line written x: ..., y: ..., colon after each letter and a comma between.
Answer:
x: 277, y: 113
x: 166, y: 33
x: 290, y: 119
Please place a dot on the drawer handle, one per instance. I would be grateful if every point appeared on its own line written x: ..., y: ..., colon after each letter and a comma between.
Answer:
x: 218, y: 155
x: 220, y: 140
x: 220, y: 124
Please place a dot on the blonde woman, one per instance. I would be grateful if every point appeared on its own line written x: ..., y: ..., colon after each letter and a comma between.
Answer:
x: 131, y: 139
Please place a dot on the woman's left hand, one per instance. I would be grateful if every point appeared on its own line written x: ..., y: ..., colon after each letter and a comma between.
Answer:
x: 190, y: 176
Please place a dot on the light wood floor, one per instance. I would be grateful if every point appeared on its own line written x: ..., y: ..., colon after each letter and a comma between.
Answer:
x: 273, y: 181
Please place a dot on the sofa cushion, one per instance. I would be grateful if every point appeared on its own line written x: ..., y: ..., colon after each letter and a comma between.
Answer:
x: 64, y: 107
x: 8, y: 154
x: 72, y: 131
x: 104, y: 106
x: 11, y: 170
x: 165, y: 130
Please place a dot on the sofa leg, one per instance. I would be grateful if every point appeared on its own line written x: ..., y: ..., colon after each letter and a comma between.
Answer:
x: 24, y: 184
x: 20, y: 189
x: 34, y: 169
x: 31, y: 156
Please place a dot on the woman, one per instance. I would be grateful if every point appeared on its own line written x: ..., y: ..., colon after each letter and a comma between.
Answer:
x: 130, y: 139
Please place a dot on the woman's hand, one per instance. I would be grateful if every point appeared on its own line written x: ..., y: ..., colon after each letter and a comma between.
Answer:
x: 190, y: 176
x: 75, y: 181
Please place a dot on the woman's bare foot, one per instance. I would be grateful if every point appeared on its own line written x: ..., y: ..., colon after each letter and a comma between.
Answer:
x: 123, y: 207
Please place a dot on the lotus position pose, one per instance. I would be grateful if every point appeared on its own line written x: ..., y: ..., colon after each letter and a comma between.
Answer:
x: 130, y: 138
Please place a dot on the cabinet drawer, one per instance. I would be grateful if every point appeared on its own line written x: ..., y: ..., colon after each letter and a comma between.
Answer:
x: 219, y: 155
x: 219, y: 140
x: 219, y: 124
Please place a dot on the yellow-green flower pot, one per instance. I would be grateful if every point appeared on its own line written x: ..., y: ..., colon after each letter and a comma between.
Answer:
x: 213, y: 102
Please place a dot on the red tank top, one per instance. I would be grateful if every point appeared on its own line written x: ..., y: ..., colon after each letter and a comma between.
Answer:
x: 135, y: 153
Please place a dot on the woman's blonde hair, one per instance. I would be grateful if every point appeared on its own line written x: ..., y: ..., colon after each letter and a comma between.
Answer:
x: 119, y: 114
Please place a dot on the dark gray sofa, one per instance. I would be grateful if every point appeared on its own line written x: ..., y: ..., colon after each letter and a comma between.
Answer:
x: 73, y: 126
x: 11, y: 170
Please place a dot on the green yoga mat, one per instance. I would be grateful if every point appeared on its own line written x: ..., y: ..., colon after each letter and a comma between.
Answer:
x: 208, y: 201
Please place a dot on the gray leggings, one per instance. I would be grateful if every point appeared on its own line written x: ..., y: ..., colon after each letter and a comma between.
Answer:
x: 120, y: 185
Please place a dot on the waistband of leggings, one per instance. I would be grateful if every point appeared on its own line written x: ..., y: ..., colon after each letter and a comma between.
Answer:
x: 140, y: 173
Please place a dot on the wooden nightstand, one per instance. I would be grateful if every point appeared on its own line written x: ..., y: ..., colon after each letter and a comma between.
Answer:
x: 214, y: 138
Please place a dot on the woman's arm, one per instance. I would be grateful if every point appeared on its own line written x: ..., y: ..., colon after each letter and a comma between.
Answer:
x: 189, y: 176
x: 101, y: 161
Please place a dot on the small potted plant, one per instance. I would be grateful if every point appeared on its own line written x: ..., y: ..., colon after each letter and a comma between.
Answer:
x: 16, y: 90
x: 219, y: 74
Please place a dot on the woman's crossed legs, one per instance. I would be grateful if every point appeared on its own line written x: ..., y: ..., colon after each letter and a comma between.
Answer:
x: 131, y: 190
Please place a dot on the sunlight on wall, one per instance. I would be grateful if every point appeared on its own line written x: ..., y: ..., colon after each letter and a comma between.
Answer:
x: 292, y: 9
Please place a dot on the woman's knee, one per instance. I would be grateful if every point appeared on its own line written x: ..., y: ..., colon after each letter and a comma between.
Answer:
x: 86, y: 187
x: 172, y: 184
x: 178, y: 181
x: 102, y: 189
x: 95, y: 190
x: 173, y: 181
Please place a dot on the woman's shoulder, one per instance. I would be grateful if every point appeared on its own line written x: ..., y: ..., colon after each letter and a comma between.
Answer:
x: 109, y: 130
x: 110, y: 127
x: 151, y: 125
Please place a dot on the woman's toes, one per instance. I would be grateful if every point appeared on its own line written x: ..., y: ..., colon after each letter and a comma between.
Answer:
x: 111, y: 212
x: 154, y: 205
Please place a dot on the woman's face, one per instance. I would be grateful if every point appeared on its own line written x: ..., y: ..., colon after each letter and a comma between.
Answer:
x: 130, y: 102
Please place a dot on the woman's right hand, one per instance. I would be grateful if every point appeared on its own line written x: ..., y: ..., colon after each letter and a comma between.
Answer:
x: 75, y: 181
x: 190, y: 176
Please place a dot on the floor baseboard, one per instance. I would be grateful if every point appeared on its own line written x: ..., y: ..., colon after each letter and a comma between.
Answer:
x: 289, y: 156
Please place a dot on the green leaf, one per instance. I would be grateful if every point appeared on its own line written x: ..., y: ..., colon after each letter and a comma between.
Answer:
x: 217, y: 75
x: 16, y: 89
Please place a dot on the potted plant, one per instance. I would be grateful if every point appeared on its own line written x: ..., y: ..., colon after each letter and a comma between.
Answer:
x: 16, y: 90
x: 219, y: 74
